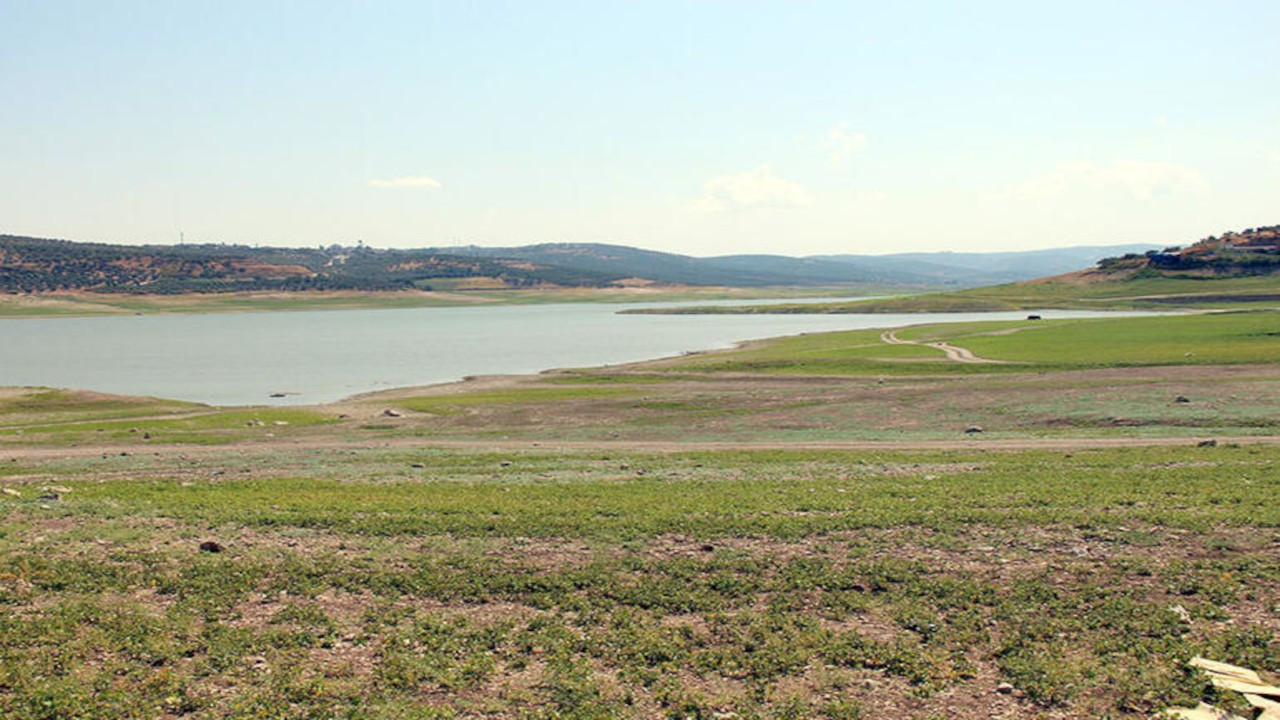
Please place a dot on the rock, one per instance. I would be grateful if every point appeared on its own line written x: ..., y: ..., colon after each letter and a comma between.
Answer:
x: 277, y: 395
x: 146, y: 436
x: 417, y: 466
x: 1183, y: 614
x: 1033, y: 317
x: 1004, y: 688
x: 505, y: 463
x: 210, y: 546
x: 973, y: 429
x: 55, y: 488
x: 1182, y: 399
x: 11, y: 491
x: 1207, y: 443
x: 391, y: 413
x: 708, y: 547
x: 280, y: 423
x: 50, y: 496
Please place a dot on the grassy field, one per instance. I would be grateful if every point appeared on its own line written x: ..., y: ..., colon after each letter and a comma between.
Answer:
x: 545, y: 584
x: 1241, y: 337
x: 800, y: 528
x: 1156, y: 293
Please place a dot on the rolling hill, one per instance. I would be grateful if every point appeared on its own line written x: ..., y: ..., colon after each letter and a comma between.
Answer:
x: 30, y: 264
x: 1238, y: 269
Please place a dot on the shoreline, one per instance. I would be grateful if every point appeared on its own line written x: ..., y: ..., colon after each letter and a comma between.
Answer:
x: 88, y: 304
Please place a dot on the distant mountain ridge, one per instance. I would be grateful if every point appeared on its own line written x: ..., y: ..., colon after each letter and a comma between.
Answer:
x: 906, y: 269
x: 38, y: 264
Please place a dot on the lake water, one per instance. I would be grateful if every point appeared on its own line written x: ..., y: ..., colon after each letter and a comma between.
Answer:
x: 322, y: 356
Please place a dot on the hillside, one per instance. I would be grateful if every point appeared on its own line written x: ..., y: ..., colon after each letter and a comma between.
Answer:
x: 909, y: 269
x: 29, y: 265
x: 1236, y: 269
x: 991, y: 268
x: 37, y: 264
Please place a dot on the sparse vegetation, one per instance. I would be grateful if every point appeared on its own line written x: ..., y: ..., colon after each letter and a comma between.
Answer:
x: 712, y: 536
x: 549, y: 584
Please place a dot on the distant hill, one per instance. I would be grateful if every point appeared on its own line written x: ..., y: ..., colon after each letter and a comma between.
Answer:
x: 1236, y: 270
x: 37, y: 264
x: 993, y: 268
x: 909, y: 269
x: 1247, y: 253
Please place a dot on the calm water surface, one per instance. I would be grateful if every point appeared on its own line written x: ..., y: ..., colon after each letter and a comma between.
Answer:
x: 316, y: 357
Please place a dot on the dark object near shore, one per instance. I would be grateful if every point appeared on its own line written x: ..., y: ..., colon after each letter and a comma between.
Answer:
x: 972, y: 429
x: 1207, y: 443
x: 210, y: 546
x: 276, y: 395
x: 1034, y: 317
x: 1182, y: 399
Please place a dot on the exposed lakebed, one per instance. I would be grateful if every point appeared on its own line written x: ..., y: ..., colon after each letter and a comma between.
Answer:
x: 322, y: 356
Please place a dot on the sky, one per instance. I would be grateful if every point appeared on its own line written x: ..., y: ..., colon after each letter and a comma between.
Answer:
x: 703, y: 127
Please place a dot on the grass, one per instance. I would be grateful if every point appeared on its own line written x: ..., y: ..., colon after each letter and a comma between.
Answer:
x: 1217, y: 338
x: 544, y: 584
x: 1143, y: 293
x: 364, y: 573
x: 209, y: 426
x: 515, y: 396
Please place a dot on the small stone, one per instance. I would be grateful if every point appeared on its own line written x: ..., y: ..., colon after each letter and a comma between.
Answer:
x: 973, y: 429
x: 1004, y: 688
x: 1207, y: 443
x: 417, y: 466
x: 146, y: 436
x: 391, y: 413
x: 708, y: 547
x: 1182, y: 399
x: 56, y: 488
x: 505, y: 463
x: 210, y: 546
x: 11, y: 491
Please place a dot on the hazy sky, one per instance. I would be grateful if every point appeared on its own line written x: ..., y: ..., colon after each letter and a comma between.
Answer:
x: 704, y: 127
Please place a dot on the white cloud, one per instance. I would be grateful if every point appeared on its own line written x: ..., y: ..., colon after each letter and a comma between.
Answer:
x: 841, y: 143
x: 1136, y: 178
x: 416, y: 181
x: 750, y: 189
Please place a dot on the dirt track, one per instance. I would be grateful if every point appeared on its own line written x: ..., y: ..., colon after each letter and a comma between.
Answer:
x: 953, y: 352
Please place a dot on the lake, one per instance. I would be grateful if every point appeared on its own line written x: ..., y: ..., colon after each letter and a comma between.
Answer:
x: 322, y: 356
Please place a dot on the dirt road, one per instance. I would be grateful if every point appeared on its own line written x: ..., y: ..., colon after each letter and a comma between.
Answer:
x: 953, y: 352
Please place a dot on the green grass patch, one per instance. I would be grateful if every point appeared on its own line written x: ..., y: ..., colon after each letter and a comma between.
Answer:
x: 1201, y: 339
x: 1134, y: 293
x: 775, y: 494
x: 512, y: 396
